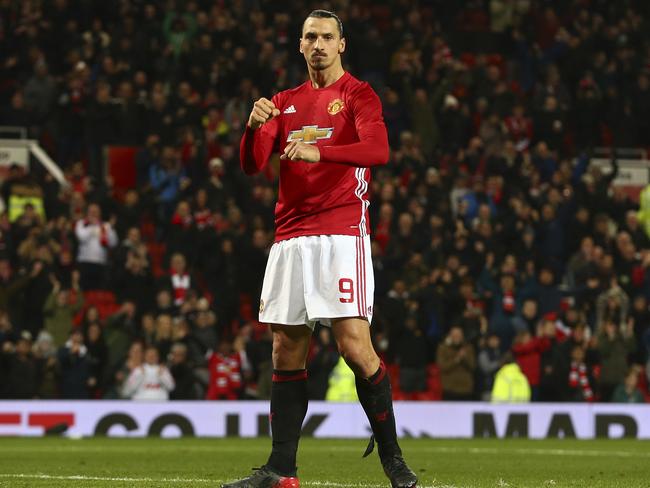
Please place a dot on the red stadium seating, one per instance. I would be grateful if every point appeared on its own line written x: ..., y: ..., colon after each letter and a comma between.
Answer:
x: 157, y: 252
x: 120, y: 162
x: 432, y: 393
x: 644, y: 387
x: 105, y: 302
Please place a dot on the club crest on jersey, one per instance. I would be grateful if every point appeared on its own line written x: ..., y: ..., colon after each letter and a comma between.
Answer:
x: 335, y: 106
x: 310, y: 134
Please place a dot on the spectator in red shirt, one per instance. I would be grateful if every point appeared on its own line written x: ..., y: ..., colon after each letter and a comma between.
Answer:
x: 225, y: 373
x: 527, y: 350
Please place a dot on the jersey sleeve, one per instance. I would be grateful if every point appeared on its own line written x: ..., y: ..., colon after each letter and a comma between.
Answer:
x: 257, y: 145
x: 372, y: 148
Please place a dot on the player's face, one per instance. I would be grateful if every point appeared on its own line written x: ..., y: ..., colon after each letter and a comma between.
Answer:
x: 320, y: 43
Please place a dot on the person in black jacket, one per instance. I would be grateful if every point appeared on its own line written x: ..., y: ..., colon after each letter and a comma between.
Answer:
x: 186, y: 385
x: 101, y: 129
x: 76, y: 378
x: 412, y: 357
x: 19, y: 369
x: 97, y: 354
x: 321, y: 363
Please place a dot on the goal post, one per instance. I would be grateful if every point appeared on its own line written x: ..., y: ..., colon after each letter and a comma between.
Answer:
x: 18, y: 151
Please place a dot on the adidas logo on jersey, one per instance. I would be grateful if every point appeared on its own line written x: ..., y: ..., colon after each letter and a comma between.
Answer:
x: 290, y: 110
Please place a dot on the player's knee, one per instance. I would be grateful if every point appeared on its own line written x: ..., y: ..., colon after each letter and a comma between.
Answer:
x: 287, y: 362
x: 287, y: 359
x: 348, y: 355
x: 288, y: 353
x: 356, y: 354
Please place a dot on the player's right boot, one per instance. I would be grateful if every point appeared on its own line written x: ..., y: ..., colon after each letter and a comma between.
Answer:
x: 264, y: 478
x: 399, y: 474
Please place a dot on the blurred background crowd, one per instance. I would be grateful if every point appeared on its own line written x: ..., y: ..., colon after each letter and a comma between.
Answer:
x: 496, y: 244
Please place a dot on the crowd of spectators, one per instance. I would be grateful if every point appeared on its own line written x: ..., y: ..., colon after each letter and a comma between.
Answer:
x: 492, y: 232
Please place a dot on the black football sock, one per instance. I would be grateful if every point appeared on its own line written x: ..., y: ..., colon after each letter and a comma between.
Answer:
x: 288, y: 408
x: 377, y: 401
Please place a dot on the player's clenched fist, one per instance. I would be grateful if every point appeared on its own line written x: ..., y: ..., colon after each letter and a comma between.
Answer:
x: 263, y: 111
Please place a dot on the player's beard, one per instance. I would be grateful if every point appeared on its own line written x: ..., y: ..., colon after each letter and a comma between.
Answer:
x: 319, y: 63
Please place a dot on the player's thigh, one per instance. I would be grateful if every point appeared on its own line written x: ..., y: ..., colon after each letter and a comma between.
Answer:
x: 282, y: 300
x: 338, y: 277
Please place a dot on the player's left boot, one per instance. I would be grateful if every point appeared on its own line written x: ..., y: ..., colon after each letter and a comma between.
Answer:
x: 264, y: 478
x: 399, y: 474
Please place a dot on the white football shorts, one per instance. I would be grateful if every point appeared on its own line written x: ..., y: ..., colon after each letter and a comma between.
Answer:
x: 311, y: 279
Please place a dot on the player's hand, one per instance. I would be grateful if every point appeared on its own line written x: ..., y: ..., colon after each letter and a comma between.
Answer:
x: 37, y: 267
x: 263, y: 111
x: 301, y: 151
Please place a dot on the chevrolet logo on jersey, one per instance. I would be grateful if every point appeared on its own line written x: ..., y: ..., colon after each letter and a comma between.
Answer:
x: 310, y: 134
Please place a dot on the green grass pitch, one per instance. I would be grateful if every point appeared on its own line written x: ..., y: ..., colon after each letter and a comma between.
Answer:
x: 99, y: 462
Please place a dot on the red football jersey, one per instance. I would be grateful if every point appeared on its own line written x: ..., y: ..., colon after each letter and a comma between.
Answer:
x: 331, y: 196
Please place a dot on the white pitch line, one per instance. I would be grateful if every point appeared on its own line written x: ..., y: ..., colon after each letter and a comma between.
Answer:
x: 180, y: 480
x: 558, y: 452
x: 103, y: 478
x: 441, y: 449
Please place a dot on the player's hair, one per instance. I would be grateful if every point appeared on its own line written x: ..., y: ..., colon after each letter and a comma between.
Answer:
x: 326, y: 14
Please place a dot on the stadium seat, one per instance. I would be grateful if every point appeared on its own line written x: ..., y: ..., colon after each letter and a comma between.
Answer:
x: 148, y: 230
x: 104, y: 301
x: 99, y: 297
x: 434, y: 386
x: 644, y: 387
x: 121, y: 167
x: 157, y: 252
x: 468, y: 59
x: 515, y: 87
x: 382, y: 17
x: 432, y: 393
x: 245, y: 307
x: 107, y: 309
x: 606, y: 136
x: 425, y: 396
x: 497, y: 60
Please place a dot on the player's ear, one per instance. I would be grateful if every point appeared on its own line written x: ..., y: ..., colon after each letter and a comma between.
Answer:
x: 300, y: 45
x: 342, y: 45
